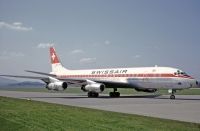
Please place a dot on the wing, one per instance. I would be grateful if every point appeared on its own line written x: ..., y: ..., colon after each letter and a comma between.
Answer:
x: 68, y: 80
x: 112, y: 84
x: 41, y: 73
x: 49, y: 77
x: 80, y: 81
x: 45, y: 79
x: 75, y: 81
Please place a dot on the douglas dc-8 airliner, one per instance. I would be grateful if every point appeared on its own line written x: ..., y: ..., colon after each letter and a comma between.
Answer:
x: 94, y: 81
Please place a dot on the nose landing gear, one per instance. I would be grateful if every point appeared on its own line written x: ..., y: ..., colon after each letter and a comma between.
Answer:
x: 172, y: 92
x: 172, y: 97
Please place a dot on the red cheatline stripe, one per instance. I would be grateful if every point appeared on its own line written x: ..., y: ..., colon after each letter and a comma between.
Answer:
x: 126, y: 75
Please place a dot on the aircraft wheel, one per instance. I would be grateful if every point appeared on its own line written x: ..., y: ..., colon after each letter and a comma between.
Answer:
x: 89, y: 94
x: 96, y: 94
x: 172, y: 97
x: 111, y: 94
x: 117, y: 94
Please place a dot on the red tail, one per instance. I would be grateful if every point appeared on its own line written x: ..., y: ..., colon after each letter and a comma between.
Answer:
x: 54, y: 57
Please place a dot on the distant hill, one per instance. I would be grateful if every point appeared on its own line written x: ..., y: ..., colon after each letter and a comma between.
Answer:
x: 6, y: 82
x: 27, y: 84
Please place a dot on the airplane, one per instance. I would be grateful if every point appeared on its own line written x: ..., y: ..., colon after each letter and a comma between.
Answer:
x: 94, y: 81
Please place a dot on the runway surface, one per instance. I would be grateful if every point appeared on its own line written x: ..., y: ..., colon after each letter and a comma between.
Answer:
x: 184, y: 108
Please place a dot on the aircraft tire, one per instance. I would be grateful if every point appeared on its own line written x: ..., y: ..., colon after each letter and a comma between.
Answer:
x: 89, y: 94
x: 93, y: 94
x: 96, y: 94
x: 117, y: 94
x: 172, y: 97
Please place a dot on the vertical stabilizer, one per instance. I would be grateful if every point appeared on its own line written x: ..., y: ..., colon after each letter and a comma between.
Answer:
x: 53, y: 55
x: 56, y: 65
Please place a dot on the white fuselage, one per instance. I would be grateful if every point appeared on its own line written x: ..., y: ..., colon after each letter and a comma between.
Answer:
x: 142, y: 77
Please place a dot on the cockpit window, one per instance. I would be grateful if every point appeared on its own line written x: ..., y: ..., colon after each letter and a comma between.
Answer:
x: 183, y: 73
x: 180, y: 72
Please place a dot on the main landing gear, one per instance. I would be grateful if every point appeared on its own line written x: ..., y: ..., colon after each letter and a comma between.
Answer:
x: 93, y: 94
x: 114, y: 93
x: 172, y: 92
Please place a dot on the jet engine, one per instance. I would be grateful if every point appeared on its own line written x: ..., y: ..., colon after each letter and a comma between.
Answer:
x: 94, y: 87
x: 146, y: 90
x: 57, y: 86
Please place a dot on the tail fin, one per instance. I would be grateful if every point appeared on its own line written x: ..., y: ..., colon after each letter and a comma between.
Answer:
x: 53, y: 55
x: 56, y: 65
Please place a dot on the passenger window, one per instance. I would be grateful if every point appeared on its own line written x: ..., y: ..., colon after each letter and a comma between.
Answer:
x: 179, y: 83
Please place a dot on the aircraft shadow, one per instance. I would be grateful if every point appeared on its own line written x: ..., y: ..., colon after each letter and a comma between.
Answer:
x: 190, y: 99
x: 100, y: 97
x: 155, y: 96
x: 136, y: 96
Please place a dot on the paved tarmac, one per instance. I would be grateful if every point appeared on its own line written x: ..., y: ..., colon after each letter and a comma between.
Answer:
x: 184, y: 108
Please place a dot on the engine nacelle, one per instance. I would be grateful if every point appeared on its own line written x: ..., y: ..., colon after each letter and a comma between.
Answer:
x: 146, y: 90
x: 94, y: 87
x: 57, y: 86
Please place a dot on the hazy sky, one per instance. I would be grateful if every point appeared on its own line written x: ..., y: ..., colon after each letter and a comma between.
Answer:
x: 99, y: 34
